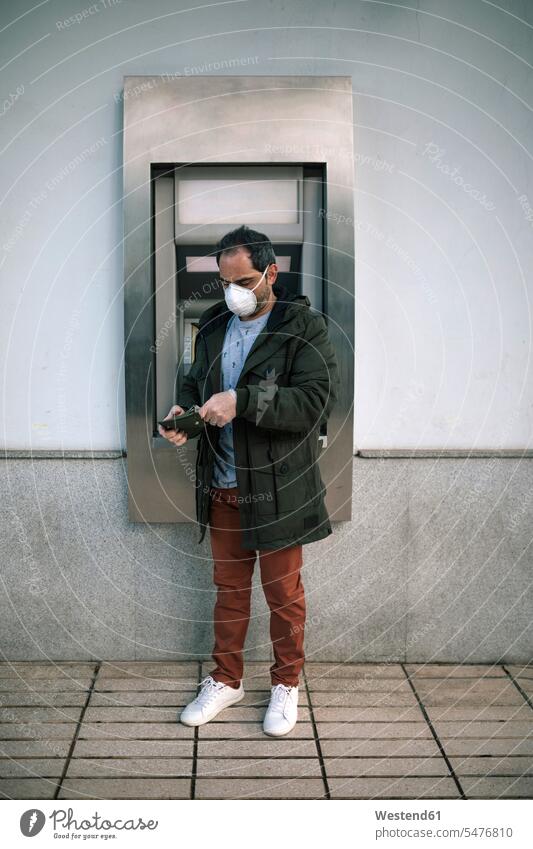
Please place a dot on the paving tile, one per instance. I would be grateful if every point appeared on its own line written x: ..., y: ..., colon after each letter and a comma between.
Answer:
x: 149, y: 670
x: 379, y: 748
x: 37, y: 730
x: 485, y: 713
x: 135, y: 731
x: 27, y: 788
x: 126, y: 698
x: 472, y: 699
x: 519, y: 765
x: 116, y: 685
x: 385, y: 767
x: 375, y: 730
x: 392, y: 788
x: 525, y: 671
x: 38, y: 714
x: 452, y: 670
x: 378, y: 700
x: 354, y: 670
x: 502, y: 746
x: 497, y: 787
x: 27, y: 699
x: 259, y: 767
x: 134, y: 748
x: 40, y: 748
x: 472, y: 728
x: 130, y: 767
x: 359, y: 685
x: 247, y: 730
x: 32, y: 768
x: 44, y: 685
x: 368, y: 714
x: 148, y: 714
x: 28, y: 671
x: 487, y: 688
x: 126, y: 788
x: 282, y: 788
x: 482, y: 686
x: 257, y: 748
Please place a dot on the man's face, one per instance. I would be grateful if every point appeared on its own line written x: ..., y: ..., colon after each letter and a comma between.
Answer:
x: 236, y: 267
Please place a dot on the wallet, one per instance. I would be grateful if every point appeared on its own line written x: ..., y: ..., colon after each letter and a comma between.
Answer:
x: 189, y: 422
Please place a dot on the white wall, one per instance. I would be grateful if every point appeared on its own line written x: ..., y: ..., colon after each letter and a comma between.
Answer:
x: 443, y: 274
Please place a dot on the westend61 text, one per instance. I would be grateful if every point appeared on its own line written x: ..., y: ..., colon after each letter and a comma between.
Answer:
x: 407, y: 815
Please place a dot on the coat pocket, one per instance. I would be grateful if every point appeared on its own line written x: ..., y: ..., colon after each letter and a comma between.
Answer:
x: 294, y: 472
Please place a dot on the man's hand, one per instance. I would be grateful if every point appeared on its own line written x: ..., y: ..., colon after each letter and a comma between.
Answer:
x: 177, y: 437
x: 220, y: 409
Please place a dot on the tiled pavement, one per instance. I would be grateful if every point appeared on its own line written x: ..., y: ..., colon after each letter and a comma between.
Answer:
x: 410, y: 731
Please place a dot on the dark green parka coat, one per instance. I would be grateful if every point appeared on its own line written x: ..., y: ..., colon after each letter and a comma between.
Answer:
x: 287, y: 388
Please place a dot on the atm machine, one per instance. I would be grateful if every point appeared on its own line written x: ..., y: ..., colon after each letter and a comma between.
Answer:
x: 202, y: 156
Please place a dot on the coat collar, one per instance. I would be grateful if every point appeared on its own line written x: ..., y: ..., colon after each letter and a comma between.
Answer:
x: 214, y: 320
x: 219, y: 314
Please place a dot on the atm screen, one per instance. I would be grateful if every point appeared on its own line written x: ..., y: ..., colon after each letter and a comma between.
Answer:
x: 197, y: 269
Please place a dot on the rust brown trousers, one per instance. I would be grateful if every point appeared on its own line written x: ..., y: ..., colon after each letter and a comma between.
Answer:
x: 282, y: 585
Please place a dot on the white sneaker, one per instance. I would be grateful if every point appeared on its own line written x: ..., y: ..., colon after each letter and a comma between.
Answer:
x: 282, y: 711
x: 213, y: 697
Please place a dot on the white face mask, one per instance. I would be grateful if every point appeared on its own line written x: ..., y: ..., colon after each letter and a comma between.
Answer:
x: 240, y: 300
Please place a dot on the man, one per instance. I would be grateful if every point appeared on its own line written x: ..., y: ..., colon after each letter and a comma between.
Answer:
x: 266, y: 377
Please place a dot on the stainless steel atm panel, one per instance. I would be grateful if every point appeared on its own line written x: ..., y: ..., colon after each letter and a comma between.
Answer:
x: 200, y: 158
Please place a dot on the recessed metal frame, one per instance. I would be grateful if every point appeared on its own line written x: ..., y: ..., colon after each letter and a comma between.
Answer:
x: 230, y: 119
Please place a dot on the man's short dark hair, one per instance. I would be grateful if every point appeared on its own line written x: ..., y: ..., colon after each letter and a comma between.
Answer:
x: 258, y: 246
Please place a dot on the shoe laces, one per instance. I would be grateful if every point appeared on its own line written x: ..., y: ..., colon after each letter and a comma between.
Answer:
x: 279, y: 696
x: 209, y: 689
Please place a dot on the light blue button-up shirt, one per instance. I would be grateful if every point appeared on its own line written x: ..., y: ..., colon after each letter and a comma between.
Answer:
x: 239, y: 338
